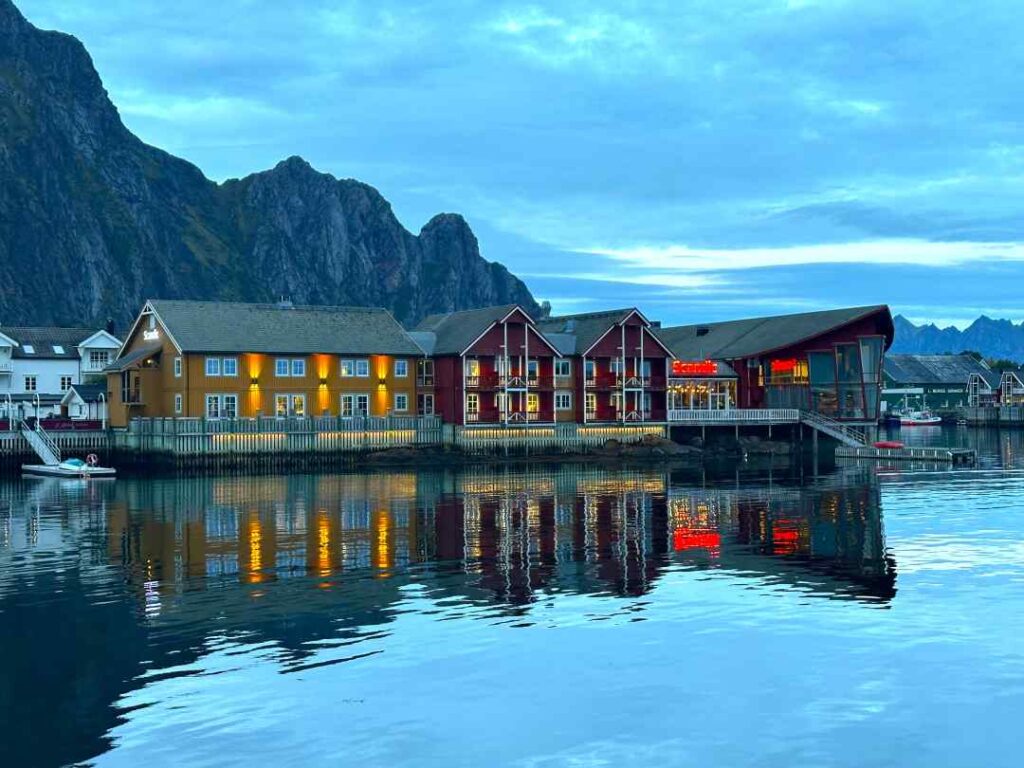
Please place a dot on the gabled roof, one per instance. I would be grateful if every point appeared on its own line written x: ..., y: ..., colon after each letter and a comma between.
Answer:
x: 212, y: 326
x: 735, y: 339
x: 952, y: 370
x: 453, y: 333
x: 42, y: 341
x: 590, y: 327
x: 89, y: 393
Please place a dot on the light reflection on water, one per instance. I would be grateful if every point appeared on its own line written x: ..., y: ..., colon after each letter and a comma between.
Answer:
x: 546, y: 616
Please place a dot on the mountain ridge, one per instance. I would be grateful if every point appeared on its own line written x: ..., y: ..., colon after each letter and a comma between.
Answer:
x: 992, y: 338
x: 94, y: 221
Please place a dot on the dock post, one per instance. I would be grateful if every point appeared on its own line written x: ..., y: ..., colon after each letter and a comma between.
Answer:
x: 814, y: 449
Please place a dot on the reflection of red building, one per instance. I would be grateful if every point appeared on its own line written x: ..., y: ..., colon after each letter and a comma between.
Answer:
x: 829, y: 362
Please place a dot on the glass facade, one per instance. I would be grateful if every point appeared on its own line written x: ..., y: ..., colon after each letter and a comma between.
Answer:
x: 701, y: 394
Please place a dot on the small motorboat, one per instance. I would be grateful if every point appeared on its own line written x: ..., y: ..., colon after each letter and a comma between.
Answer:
x: 919, y: 419
x: 888, y: 444
x: 74, y: 468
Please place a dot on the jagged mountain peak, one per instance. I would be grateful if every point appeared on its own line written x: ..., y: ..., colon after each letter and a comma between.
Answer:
x: 993, y: 338
x: 116, y: 221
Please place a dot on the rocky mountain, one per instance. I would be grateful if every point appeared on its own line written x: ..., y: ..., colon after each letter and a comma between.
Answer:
x: 999, y: 339
x: 93, y: 220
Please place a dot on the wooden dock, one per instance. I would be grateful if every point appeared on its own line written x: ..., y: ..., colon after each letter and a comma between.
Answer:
x: 955, y: 456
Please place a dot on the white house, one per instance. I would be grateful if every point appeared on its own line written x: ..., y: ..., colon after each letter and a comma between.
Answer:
x: 38, y: 366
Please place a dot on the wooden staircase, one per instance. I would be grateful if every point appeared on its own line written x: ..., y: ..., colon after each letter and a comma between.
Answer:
x: 852, y: 437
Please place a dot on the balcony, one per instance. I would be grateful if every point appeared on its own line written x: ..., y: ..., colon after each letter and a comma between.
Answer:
x: 512, y: 382
x: 424, y: 381
x: 472, y: 382
x: 472, y: 418
x: 6, y: 366
x: 131, y: 396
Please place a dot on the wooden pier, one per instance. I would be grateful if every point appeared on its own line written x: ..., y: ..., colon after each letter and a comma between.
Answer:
x: 955, y: 456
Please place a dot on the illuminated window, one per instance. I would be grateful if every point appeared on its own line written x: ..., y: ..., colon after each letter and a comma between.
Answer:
x: 563, y: 368
x: 401, y: 369
x: 65, y: 383
x: 563, y: 401
x: 213, y: 366
x: 298, y: 367
x: 591, y: 403
x: 348, y: 368
x: 289, y: 405
x: 532, y: 402
x: 473, y: 403
x: 401, y: 402
x: 229, y: 366
x: 177, y: 367
x: 472, y: 367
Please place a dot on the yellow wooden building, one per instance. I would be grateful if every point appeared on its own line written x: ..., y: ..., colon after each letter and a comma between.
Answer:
x: 222, y: 360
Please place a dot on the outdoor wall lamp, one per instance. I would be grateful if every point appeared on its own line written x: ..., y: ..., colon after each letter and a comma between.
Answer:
x: 255, y: 381
x: 323, y: 381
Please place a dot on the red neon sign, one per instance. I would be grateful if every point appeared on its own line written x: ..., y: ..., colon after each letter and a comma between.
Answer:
x: 784, y: 366
x: 694, y: 368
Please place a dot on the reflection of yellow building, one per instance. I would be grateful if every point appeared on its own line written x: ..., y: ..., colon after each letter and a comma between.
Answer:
x: 223, y: 360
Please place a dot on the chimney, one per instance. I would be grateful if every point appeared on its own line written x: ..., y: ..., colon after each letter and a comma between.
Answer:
x: 109, y: 327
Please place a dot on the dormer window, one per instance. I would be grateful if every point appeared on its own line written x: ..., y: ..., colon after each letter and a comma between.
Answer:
x: 28, y: 349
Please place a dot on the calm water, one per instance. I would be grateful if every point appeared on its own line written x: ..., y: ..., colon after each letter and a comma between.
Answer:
x: 550, y: 617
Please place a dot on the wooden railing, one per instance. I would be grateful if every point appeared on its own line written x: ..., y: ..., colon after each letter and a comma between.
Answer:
x: 735, y: 416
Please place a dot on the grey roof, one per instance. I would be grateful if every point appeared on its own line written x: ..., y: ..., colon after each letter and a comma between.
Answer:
x: 125, y: 362
x: 43, y: 340
x: 90, y: 393
x: 211, y: 326
x: 425, y: 340
x: 565, y: 343
x: 735, y: 339
x: 589, y: 327
x: 953, y: 370
x: 455, y: 331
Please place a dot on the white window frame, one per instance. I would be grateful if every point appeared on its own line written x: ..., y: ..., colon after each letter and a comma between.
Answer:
x: 213, y: 413
x: 282, y: 368
x: 401, y: 402
x: 533, y: 368
x: 212, y: 367
x: 299, y: 367
x: 66, y: 382
x: 227, y: 362
x: 362, y: 368
x: 179, y: 403
x: 532, y: 402
x: 354, y: 408
x: 290, y: 411
x: 473, y: 366
x: 563, y: 400
x: 422, y: 399
x: 568, y: 368
x: 401, y: 369
x: 473, y: 403
x: 177, y: 367
x: 34, y: 379
x: 348, y: 368
x: 591, y: 400
x: 501, y: 401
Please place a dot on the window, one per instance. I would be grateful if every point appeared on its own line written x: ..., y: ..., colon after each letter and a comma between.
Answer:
x: 298, y: 367
x: 281, y: 368
x: 65, y: 383
x: 401, y: 402
x: 616, y: 366
x: 221, y: 406
x: 473, y: 403
x: 229, y: 366
x: 532, y: 402
x: 58, y: 349
x: 645, y: 368
x: 532, y: 367
x: 591, y: 405
x: 615, y: 401
x: 362, y: 368
x: 348, y: 368
x: 472, y: 367
x: 401, y: 369
x: 563, y: 369
x: 425, y: 371
x: 425, y: 405
x: 355, y: 405
x: 563, y: 401
x: 589, y: 370
x: 31, y: 383
x: 177, y: 367
x: 359, y: 368
x: 28, y: 349
x: 289, y: 405
x: 99, y: 358
x: 213, y: 366
x: 501, y: 401
x: 178, y: 402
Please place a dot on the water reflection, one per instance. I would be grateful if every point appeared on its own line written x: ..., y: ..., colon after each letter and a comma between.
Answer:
x: 111, y: 583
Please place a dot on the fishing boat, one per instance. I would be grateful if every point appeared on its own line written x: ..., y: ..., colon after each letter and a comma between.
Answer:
x: 919, y: 419
x: 73, y: 468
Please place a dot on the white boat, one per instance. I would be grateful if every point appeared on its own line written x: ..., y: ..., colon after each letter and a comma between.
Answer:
x: 69, y: 468
x: 919, y: 419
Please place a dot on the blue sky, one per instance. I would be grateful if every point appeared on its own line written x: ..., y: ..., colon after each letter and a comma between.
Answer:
x: 702, y: 160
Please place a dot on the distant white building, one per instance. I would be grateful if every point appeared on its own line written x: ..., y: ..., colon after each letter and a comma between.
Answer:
x: 39, y: 366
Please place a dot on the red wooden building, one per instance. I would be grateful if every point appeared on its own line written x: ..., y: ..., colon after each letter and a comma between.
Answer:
x: 615, y: 363
x: 487, y: 366
x: 829, y: 362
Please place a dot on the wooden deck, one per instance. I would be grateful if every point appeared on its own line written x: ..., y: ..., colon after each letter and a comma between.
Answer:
x: 959, y: 456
